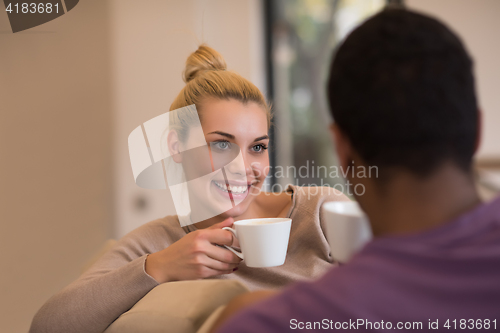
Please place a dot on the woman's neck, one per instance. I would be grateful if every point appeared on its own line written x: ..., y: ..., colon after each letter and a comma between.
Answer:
x: 266, y: 204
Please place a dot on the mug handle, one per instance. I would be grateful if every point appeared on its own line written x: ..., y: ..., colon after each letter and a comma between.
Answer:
x: 238, y: 254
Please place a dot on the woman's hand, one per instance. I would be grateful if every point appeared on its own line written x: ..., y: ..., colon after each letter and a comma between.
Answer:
x: 195, y: 256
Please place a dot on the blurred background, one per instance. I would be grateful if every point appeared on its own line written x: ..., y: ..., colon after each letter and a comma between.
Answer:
x: 71, y: 91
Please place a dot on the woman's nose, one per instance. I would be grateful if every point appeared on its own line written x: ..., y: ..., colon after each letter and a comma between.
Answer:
x: 240, y: 166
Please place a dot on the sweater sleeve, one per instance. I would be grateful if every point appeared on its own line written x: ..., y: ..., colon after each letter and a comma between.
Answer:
x: 109, y: 288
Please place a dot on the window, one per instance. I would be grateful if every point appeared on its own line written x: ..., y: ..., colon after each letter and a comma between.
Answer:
x: 302, y: 36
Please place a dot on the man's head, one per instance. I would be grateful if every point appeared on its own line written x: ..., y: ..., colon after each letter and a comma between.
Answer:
x: 401, y: 92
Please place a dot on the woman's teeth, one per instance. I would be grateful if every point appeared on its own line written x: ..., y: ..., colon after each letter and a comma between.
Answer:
x: 232, y: 188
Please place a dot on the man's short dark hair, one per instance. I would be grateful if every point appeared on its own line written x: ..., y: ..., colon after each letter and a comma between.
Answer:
x: 401, y: 88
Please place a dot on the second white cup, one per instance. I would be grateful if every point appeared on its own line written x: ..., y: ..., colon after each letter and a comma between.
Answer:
x: 347, y: 228
x: 263, y: 241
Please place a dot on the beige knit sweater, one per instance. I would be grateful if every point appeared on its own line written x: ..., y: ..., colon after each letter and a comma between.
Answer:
x: 118, y: 279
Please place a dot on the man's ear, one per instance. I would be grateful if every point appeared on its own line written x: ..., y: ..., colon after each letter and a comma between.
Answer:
x: 479, y: 130
x: 173, y: 146
x: 342, y: 146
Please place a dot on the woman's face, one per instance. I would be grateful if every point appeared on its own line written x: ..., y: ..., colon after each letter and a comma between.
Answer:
x: 237, y: 139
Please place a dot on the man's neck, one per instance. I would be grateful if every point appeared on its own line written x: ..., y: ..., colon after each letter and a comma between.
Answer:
x: 408, y: 204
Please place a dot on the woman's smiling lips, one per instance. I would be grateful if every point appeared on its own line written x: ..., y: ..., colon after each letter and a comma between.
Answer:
x: 234, y: 189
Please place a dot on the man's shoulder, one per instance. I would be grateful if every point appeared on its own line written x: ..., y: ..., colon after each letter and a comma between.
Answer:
x: 297, y: 307
x: 341, y: 294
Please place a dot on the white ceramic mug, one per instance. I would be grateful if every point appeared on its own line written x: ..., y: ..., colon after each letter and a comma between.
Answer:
x: 263, y: 241
x: 347, y: 228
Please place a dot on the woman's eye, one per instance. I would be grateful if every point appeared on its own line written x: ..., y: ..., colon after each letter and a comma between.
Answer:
x: 259, y: 148
x: 222, y: 145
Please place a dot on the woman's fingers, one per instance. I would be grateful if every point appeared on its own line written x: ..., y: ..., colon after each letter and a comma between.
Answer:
x: 223, y: 238
x: 219, y: 266
x: 213, y: 272
x: 222, y: 254
x: 219, y: 236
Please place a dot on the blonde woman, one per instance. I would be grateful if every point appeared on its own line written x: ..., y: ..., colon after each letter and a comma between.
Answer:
x: 231, y: 111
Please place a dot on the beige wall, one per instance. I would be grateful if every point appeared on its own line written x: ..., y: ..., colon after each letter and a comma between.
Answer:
x: 55, y: 163
x: 478, y: 23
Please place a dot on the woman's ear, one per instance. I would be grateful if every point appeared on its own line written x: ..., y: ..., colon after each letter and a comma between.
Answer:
x: 173, y: 146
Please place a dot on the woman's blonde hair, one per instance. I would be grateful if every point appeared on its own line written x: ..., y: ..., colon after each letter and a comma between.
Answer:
x: 206, y: 76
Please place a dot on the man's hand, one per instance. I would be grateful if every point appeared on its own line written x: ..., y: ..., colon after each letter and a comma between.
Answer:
x: 240, y: 302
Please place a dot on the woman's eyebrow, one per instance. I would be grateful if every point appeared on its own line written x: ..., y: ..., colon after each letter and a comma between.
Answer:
x: 264, y: 137
x: 227, y: 135
x: 230, y: 136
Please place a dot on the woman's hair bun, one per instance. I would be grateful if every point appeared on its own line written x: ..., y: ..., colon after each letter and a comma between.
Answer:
x: 203, y: 59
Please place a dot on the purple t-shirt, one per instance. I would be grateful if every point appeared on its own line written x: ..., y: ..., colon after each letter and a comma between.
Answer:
x: 447, y: 278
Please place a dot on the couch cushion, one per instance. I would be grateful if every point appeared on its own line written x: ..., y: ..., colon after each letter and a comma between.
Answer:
x: 177, y: 307
x: 207, y: 325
